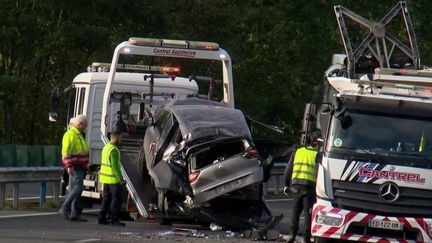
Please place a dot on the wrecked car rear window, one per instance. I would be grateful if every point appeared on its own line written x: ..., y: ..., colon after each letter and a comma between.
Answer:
x: 215, y: 153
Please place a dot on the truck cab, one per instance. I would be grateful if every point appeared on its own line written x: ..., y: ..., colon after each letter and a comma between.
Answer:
x: 375, y: 176
x: 88, y: 90
x: 374, y: 179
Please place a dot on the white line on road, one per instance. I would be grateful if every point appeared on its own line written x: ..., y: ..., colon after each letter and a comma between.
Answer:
x: 27, y: 215
x: 279, y: 200
x: 87, y: 240
x: 41, y: 214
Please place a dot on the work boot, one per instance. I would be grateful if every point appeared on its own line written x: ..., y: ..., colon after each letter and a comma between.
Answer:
x: 289, y: 238
x: 307, y: 239
x: 64, y: 213
x: 103, y: 221
x: 78, y: 219
x: 117, y: 223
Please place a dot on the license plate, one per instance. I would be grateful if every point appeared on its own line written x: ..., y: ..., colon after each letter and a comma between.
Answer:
x: 386, y: 224
x: 228, y: 186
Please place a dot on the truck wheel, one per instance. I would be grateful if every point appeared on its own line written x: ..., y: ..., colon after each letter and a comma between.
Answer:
x: 320, y: 240
x: 165, y: 221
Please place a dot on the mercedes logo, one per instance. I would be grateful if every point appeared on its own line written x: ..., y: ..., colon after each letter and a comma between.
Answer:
x: 389, y: 192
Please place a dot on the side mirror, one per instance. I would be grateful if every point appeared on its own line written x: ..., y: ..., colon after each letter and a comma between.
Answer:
x: 148, y: 121
x: 53, y: 105
x: 308, y: 122
x: 326, y: 109
x: 340, y: 112
x: 346, y: 121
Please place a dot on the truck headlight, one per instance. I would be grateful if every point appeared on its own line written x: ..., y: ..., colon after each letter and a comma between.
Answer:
x: 331, y: 219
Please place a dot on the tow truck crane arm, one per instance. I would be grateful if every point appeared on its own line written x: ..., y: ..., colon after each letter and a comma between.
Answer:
x: 379, y: 34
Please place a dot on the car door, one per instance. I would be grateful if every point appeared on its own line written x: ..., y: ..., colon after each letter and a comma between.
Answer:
x: 223, y: 166
x: 154, y: 136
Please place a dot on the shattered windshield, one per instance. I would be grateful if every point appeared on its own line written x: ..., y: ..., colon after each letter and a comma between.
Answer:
x: 379, y: 133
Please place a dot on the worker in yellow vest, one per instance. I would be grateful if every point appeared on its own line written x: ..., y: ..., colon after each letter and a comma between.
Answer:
x: 112, y: 179
x: 75, y: 157
x: 300, y: 180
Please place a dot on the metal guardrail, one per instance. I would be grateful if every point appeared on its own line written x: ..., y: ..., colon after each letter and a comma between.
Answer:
x: 18, y: 175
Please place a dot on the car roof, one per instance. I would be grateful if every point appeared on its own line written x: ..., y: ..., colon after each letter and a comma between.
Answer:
x: 194, y: 102
x: 200, y: 118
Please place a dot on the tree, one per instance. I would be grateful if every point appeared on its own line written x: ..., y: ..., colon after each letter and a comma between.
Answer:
x: 280, y: 50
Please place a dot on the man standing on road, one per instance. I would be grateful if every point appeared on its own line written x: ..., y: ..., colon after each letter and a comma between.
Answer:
x: 112, y: 179
x: 75, y: 157
x: 300, y: 180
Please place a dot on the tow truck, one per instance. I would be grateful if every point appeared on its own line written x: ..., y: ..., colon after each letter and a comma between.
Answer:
x: 374, y: 182
x: 131, y: 93
x: 131, y: 97
x: 85, y: 97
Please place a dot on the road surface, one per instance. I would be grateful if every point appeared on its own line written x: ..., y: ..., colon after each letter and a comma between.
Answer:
x: 48, y: 226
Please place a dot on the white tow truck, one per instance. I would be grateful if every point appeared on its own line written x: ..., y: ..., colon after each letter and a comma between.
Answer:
x: 375, y: 180
x: 132, y: 93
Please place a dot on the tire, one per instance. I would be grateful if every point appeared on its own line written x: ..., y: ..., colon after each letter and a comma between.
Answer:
x: 321, y: 240
x: 161, y: 202
x: 141, y: 163
x: 125, y: 216
x: 165, y: 221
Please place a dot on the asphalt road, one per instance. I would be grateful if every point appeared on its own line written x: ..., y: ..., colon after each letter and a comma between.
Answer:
x: 48, y: 226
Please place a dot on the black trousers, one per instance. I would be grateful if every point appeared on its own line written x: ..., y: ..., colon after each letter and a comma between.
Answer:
x: 112, y: 199
x: 303, y: 201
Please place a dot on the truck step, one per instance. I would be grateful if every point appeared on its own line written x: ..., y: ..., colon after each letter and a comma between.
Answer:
x: 129, y: 150
x: 89, y: 183
x: 91, y: 194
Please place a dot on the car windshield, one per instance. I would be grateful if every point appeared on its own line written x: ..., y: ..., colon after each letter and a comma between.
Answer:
x: 379, y: 133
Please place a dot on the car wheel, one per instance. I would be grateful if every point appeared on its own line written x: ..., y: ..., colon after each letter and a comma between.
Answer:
x: 161, y: 201
x: 141, y: 163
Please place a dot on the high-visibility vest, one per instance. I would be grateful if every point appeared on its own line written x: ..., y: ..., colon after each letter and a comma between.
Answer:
x: 304, y: 166
x: 75, y: 149
x: 108, y: 175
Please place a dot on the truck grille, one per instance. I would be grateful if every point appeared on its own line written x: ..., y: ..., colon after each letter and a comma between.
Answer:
x: 364, y: 197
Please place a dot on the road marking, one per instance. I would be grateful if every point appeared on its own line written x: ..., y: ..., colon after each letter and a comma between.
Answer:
x: 42, y: 214
x: 27, y: 215
x: 279, y: 200
x: 87, y: 240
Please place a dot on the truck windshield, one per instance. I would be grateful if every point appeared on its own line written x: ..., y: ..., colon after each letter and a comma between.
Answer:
x: 379, y: 133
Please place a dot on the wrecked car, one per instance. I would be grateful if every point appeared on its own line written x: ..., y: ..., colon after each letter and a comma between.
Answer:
x: 200, y: 162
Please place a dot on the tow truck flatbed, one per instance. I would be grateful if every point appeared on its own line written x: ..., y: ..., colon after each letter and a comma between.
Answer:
x: 134, y: 181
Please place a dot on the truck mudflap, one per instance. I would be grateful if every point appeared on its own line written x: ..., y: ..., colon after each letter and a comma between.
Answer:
x: 337, y: 223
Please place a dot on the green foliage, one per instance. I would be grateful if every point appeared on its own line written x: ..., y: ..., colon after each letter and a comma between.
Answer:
x: 280, y: 50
